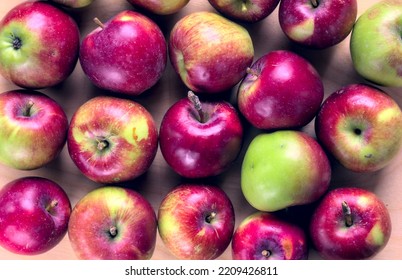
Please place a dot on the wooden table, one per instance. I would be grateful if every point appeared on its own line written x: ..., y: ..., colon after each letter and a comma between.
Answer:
x: 334, y: 65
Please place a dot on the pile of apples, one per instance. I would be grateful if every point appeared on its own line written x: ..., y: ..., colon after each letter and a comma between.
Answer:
x: 113, y: 139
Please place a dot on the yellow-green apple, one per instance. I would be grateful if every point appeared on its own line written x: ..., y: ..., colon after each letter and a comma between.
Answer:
x: 375, y: 43
x: 317, y: 23
x: 112, y: 139
x: 34, y: 215
x: 264, y: 236
x: 361, y: 126
x: 209, y: 52
x: 39, y: 45
x: 133, y: 53
x: 245, y: 10
x: 160, y: 7
x: 269, y: 181
x: 350, y: 223
x: 281, y: 90
x: 196, y: 221
x: 75, y: 4
x: 33, y: 129
x: 113, y: 223
x: 200, y: 139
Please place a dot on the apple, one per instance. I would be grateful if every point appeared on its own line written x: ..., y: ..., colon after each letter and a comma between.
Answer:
x: 34, y: 215
x: 75, y: 4
x: 361, y: 126
x: 33, y: 129
x: 39, y: 45
x: 196, y: 221
x: 133, y: 54
x: 282, y: 169
x: 112, y: 139
x: 200, y: 139
x: 113, y: 223
x: 316, y: 23
x: 263, y: 236
x: 245, y: 10
x: 209, y: 52
x: 375, y: 43
x: 160, y: 7
x: 281, y: 90
x: 350, y: 223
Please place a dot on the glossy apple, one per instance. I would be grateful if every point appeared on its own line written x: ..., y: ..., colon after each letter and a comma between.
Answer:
x: 134, y: 54
x: 361, y: 126
x: 113, y: 223
x: 160, y: 7
x: 34, y: 215
x: 375, y: 43
x: 316, y: 23
x: 39, y: 45
x: 112, y: 139
x: 281, y: 90
x: 33, y: 129
x: 75, y: 4
x: 350, y: 223
x: 269, y: 180
x: 196, y: 221
x: 200, y: 139
x: 209, y: 52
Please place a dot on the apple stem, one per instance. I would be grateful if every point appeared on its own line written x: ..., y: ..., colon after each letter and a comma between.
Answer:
x: 102, y: 144
x: 210, y: 217
x: 113, y: 231
x: 98, y: 22
x: 252, y: 72
x: 197, y: 105
x: 52, y: 205
x: 266, y: 253
x: 347, y: 214
x: 315, y: 3
x: 27, y: 109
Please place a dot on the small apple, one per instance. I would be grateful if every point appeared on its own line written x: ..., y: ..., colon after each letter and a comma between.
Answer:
x: 263, y: 236
x: 196, y: 221
x: 316, y: 23
x: 209, y: 52
x: 33, y: 129
x: 112, y: 139
x: 34, y: 215
x: 375, y: 43
x: 200, y: 139
x: 282, y: 169
x: 281, y: 90
x: 350, y: 223
x: 39, y: 45
x: 75, y: 4
x: 245, y: 10
x: 133, y: 54
x: 160, y: 7
x: 361, y: 126
x: 113, y: 223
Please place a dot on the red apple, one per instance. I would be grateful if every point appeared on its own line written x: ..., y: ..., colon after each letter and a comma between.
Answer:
x: 350, y: 223
x: 112, y: 139
x: 33, y: 129
x: 200, y: 139
x: 196, y: 221
x: 133, y: 54
x: 281, y: 90
x: 75, y: 4
x: 34, y: 215
x: 39, y: 45
x: 113, y: 223
x: 160, y: 7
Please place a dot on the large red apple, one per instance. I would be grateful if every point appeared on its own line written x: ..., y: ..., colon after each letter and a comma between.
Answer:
x: 160, y: 7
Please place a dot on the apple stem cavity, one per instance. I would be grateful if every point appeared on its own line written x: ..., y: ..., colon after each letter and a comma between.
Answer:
x: 210, y: 217
x: 99, y: 23
x: 27, y: 110
x: 102, y: 144
x: 266, y: 253
x: 315, y: 3
x: 51, y: 205
x: 252, y: 72
x: 113, y: 231
x: 197, y: 105
x: 347, y: 214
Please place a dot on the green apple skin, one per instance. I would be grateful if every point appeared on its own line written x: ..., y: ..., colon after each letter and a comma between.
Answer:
x: 282, y: 169
x: 75, y: 4
x: 376, y: 45
x: 160, y: 7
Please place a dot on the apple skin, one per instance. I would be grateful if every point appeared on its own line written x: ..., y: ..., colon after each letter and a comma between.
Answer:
x: 33, y: 129
x: 263, y: 236
x: 370, y: 230
x: 245, y: 10
x: 196, y: 222
x: 375, y: 44
x: 321, y: 26
x: 199, y: 149
x: 112, y: 139
x: 113, y: 223
x: 134, y: 54
x: 281, y: 90
x: 361, y: 126
x: 34, y: 215
x: 268, y: 178
x: 160, y: 7
x: 39, y: 45
x: 75, y: 4
x: 214, y: 56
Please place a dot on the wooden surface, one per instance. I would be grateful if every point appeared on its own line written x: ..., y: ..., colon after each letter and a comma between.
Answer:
x: 334, y: 65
